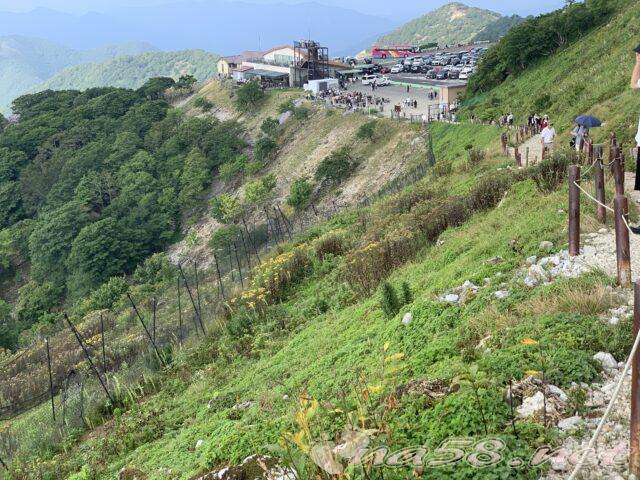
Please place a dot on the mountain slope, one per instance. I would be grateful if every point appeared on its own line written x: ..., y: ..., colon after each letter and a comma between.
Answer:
x: 589, y: 76
x: 133, y: 71
x: 494, y: 31
x: 26, y: 62
x: 449, y: 24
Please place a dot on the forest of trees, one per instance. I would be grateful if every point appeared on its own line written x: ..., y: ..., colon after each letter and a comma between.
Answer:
x: 92, y: 183
x: 537, y: 38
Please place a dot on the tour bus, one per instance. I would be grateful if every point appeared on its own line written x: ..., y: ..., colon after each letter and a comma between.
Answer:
x: 393, y: 51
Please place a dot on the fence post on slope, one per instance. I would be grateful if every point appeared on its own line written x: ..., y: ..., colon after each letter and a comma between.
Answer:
x: 526, y: 157
x: 235, y: 250
x: 215, y: 259
x: 574, y: 210
x: 634, y: 427
x: 601, y: 211
x: 623, y: 253
x: 618, y: 171
x: 179, y: 311
x: 251, y: 242
x: 247, y: 257
x: 154, y: 305
x: 146, y: 330
x: 231, y: 268
x: 86, y: 354
x: 53, y: 405
x: 104, y: 353
x: 516, y: 154
x: 195, y: 268
x: 196, y: 319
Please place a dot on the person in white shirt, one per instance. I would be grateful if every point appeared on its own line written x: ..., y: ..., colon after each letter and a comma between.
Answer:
x: 548, y: 135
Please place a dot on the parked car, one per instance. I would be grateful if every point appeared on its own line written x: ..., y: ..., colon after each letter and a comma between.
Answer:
x: 442, y: 75
x: 385, y: 70
x: 378, y: 79
x: 415, y: 68
x: 431, y: 74
x: 424, y: 69
x: 396, y: 68
x: 454, y: 74
x: 463, y: 76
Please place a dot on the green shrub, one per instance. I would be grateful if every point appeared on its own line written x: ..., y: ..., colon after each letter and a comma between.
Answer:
x: 301, y: 112
x: 389, y: 301
x: 252, y: 168
x: 259, y: 191
x: 203, y: 104
x: 442, y: 168
x: 225, y: 208
x: 549, y: 174
x: 224, y: 236
x: 337, y: 167
x: 407, y: 294
x: 249, y: 96
x: 234, y: 168
x: 332, y: 243
x: 287, y: 106
x: 300, y: 193
x: 367, y: 130
x: 109, y: 293
x: 270, y: 126
x: 155, y: 270
x: 265, y: 149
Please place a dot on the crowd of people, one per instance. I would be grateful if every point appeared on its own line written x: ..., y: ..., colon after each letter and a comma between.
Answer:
x: 352, y: 100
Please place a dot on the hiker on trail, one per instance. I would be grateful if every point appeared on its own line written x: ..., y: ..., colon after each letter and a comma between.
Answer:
x: 544, y: 123
x: 580, y: 132
x: 407, y: 88
x: 548, y: 135
x: 510, y: 119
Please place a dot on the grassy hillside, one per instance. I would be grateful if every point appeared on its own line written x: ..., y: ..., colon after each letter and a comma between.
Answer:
x: 133, y: 71
x: 450, y: 24
x: 590, y: 76
x: 26, y: 62
x: 328, y: 339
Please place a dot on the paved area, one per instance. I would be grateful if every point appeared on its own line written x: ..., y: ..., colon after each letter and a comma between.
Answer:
x: 397, y: 94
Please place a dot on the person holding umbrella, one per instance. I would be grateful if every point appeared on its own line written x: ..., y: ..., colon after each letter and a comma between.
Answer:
x: 584, y: 122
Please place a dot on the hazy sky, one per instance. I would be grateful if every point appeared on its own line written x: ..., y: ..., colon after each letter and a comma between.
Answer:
x: 375, y: 7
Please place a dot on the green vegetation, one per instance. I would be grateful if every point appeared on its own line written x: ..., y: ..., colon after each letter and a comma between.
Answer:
x: 498, y: 29
x: 132, y: 71
x: 27, y: 62
x: 300, y: 193
x: 336, y: 167
x: 121, y: 168
x: 590, y: 75
x: 448, y: 25
x: 249, y: 96
x: 537, y: 38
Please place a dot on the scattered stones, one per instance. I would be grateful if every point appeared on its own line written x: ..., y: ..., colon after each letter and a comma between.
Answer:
x: 545, y: 246
x: 407, y: 319
x: 450, y: 298
x: 501, y: 294
x: 606, y: 360
x: 570, y: 423
x: 495, y: 260
x: 532, y: 260
x: 423, y: 387
x: 557, y: 391
x: 199, y: 443
x: 243, y: 405
x: 255, y: 467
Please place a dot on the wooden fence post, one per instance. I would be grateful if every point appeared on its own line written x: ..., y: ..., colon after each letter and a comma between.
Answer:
x: 634, y: 453
x: 215, y: 258
x: 104, y: 353
x: 618, y: 171
x: 623, y: 253
x: 179, y: 311
x: 601, y: 211
x: 51, y: 393
x: 574, y: 210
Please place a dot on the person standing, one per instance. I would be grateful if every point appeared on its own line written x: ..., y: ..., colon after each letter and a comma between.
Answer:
x: 548, y: 135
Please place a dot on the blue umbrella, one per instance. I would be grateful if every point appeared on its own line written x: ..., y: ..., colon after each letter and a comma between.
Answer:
x: 588, y: 121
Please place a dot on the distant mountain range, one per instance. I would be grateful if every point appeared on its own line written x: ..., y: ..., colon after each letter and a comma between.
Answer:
x: 450, y: 24
x: 217, y: 25
x: 133, y: 71
x: 26, y: 62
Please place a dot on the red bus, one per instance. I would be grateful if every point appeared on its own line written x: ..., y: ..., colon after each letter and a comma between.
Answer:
x: 393, y: 51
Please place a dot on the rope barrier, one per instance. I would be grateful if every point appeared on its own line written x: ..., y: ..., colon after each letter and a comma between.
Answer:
x: 607, y: 412
x: 627, y: 225
x: 592, y: 197
x: 587, y: 170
